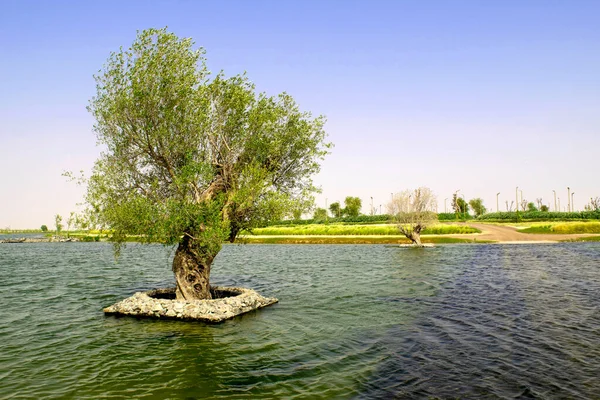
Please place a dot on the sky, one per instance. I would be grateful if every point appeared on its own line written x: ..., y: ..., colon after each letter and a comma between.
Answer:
x: 476, y: 96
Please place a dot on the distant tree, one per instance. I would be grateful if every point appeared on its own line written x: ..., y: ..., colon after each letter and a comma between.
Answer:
x: 353, y: 206
x: 57, y: 223
x: 71, y: 221
x: 336, y: 209
x: 539, y: 203
x: 509, y: 208
x: 477, y: 206
x: 455, y: 207
x: 191, y: 160
x: 531, y: 207
x: 544, y: 208
x: 595, y: 203
x: 461, y: 207
x: 320, y: 214
x: 303, y: 205
x: 44, y: 228
x: 524, y: 205
x: 413, y: 210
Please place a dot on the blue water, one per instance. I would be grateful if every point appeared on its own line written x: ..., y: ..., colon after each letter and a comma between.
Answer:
x: 364, y: 321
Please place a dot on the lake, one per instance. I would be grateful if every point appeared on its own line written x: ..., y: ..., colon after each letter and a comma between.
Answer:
x: 354, y: 321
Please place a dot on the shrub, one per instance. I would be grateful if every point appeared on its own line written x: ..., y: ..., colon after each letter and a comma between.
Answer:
x: 454, y: 217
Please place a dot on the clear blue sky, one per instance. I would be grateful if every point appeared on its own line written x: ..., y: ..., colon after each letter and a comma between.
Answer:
x: 481, y: 96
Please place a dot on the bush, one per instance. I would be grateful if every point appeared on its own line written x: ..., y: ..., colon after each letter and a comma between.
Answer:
x: 88, y: 238
x: 454, y: 217
x: 362, y: 219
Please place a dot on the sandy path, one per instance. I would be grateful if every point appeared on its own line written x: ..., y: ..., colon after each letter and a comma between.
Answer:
x: 509, y: 234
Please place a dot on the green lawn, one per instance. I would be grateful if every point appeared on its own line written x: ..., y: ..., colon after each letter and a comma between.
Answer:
x: 563, y: 227
x: 357, y: 230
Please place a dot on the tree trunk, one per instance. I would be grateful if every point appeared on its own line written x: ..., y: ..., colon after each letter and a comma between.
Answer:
x: 413, y: 233
x: 191, y: 267
x: 416, y: 239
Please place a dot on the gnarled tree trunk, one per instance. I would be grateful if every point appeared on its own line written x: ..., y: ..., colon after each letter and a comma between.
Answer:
x: 413, y: 233
x: 415, y: 238
x: 191, y: 267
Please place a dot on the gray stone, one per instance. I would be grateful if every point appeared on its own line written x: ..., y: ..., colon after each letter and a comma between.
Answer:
x: 227, y: 303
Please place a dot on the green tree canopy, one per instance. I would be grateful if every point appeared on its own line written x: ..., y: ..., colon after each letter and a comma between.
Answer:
x: 460, y: 206
x: 57, y: 223
x: 302, y: 206
x: 192, y: 160
x: 336, y: 209
x: 320, y: 214
x: 353, y: 206
x: 477, y: 206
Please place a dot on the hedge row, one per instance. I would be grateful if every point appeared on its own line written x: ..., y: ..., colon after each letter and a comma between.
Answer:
x: 362, y: 219
x: 454, y: 217
x: 494, y: 216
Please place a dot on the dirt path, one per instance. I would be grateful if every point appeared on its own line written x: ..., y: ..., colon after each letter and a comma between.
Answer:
x: 509, y: 234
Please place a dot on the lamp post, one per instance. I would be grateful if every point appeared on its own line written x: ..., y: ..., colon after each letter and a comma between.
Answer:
x: 559, y: 204
x: 568, y: 199
x: 445, y: 209
x: 517, y: 203
x: 554, y: 191
x: 572, y: 202
x: 497, y: 208
x: 522, y: 198
x: 371, y: 205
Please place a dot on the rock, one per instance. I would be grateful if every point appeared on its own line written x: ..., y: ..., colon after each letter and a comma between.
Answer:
x: 160, y: 303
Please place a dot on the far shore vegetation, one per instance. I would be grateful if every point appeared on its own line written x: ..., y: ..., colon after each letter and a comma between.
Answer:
x: 370, y: 230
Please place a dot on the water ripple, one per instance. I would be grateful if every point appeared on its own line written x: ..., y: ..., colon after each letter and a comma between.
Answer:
x: 353, y: 322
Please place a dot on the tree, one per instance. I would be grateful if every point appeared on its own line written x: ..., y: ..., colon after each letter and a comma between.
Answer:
x: 320, y: 214
x: 531, y: 206
x: 524, y: 204
x: 544, y: 208
x: 477, y: 206
x: 353, y: 206
x: 44, y: 228
x: 460, y: 206
x: 57, y: 223
x: 71, y: 222
x: 336, y: 209
x: 413, y: 211
x: 191, y: 160
x: 539, y: 203
x: 302, y: 206
x: 509, y: 209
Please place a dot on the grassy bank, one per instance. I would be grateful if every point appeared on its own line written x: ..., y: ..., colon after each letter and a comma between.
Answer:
x: 357, y: 230
x: 584, y: 239
x: 563, y: 228
x: 350, y: 240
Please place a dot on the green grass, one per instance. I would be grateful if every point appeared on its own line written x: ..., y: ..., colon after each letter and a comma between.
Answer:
x: 584, y: 239
x: 356, y: 230
x: 350, y: 240
x: 564, y: 228
x: 14, y: 231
